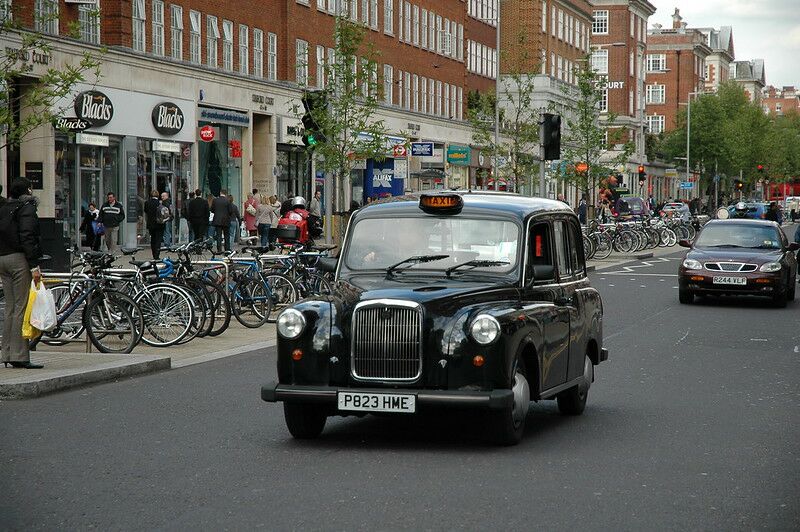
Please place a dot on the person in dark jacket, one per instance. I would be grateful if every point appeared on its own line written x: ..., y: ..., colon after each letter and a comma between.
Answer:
x: 197, y: 213
x: 222, y: 211
x: 155, y: 223
x: 236, y: 221
x: 111, y: 215
x: 166, y: 201
x: 87, y: 226
x: 20, y: 253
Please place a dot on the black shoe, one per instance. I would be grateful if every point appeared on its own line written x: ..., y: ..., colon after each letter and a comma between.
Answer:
x: 26, y: 365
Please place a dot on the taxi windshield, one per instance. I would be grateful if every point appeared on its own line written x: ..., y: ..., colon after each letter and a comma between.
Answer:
x: 739, y: 236
x: 377, y: 244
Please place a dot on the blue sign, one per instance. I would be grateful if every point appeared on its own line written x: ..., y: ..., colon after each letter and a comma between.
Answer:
x: 422, y: 149
x: 380, y: 181
x: 716, y: 179
x: 686, y: 185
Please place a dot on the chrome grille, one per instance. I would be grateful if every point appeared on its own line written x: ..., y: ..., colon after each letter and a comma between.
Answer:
x: 732, y: 267
x: 387, y: 341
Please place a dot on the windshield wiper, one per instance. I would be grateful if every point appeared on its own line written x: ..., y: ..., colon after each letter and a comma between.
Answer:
x: 476, y: 264
x: 725, y: 246
x: 416, y: 259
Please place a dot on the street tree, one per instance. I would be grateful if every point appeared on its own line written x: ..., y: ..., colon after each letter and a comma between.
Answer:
x: 584, y: 139
x: 345, y: 114
x: 28, y: 102
x: 518, y: 144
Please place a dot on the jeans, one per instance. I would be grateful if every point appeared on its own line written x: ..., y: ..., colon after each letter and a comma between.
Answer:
x: 156, y: 239
x: 111, y: 237
x: 167, y: 237
x: 16, y: 277
x: 263, y: 232
x: 222, y: 233
x: 233, y: 228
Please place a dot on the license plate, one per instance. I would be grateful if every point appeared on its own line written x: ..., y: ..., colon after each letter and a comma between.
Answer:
x: 377, y: 402
x: 730, y: 280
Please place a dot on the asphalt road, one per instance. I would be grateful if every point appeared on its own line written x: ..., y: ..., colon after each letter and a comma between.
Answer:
x: 691, y: 425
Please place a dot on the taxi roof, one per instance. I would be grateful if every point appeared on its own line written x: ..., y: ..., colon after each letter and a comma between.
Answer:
x: 507, y: 203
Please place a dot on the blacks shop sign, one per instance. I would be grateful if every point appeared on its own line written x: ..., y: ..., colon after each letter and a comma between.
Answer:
x: 68, y: 123
x: 94, y: 107
x: 167, y: 118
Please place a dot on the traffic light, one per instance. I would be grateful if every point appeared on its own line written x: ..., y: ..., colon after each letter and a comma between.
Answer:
x: 738, y: 184
x: 642, y: 175
x: 551, y: 137
x: 620, y: 180
x: 314, y: 102
x: 760, y: 168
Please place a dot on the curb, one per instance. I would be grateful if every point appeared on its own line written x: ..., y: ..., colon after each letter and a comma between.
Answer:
x: 36, y: 388
x: 641, y: 256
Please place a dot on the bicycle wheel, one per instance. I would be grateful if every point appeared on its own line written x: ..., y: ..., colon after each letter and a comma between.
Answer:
x: 71, y: 328
x: 283, y: 293
x: 109, y: 325
x: 221, y: 306
x: 251, y: 303
x: 202, y: 308
x: 316, y: 285
x: 602, y: 246
x: 168, y: 314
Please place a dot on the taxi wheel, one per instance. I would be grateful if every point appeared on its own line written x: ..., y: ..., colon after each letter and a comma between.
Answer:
x: 686, y: 297
x: 304, y: 421
x: 509, y: 425
x: 572, y: 402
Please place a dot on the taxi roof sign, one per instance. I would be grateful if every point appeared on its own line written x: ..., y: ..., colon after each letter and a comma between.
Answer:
x: 441, y: 203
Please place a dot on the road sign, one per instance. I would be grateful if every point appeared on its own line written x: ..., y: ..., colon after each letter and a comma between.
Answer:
x: 686, y: 185
x: 399, y: 150
x: 716, y: 179
x: 422, y: 149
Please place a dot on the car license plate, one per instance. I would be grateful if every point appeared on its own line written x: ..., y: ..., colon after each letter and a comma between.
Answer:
x: 377, y: 402
x: 730, y: 280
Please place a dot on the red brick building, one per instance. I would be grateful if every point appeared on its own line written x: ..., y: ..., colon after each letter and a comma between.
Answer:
x: 618, y: 42
x: 675, y: 69
x: 781, y: 101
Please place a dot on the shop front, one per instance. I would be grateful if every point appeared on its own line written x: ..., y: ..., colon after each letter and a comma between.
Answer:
x: 220, y: 133
x: 458, y: 160
x: 127, y: 150
x: 432, y: 171
x: 293, y: 168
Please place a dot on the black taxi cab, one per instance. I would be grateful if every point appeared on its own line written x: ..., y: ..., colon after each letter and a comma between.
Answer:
x: 476, y: 300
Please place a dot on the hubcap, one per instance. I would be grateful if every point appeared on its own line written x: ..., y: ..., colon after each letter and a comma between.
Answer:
x: 522, y: 398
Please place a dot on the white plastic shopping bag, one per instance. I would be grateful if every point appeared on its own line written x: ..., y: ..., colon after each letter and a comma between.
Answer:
x: 43, y: 314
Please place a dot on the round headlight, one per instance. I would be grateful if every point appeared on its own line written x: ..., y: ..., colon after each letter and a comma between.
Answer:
x: 691, y: 264
x: 291, y: 323
x: 770, y: 267
x: 484, y: 329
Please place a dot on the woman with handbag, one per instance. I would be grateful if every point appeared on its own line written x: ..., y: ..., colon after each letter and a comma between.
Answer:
x: 20, y: 253
x: 89, y: 227
x: 251, y: 214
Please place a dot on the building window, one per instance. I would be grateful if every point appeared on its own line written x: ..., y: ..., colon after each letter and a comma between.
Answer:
x: 423, y: 83
x: 373, y: 14
x: 258, y: 53
x: 460, y: 43
x: 400, y: 88
x: 407, y: 26
x: 439, y: 98
x: 423, y: 34
x: 407, y: 90
x: 446, y: 107
x: 227, y: 45
x: 388, y: 83
x: 89, y: 21
x: 139, y: 16
x: 331, y: 6
x: 194, y: 37
x: 388, y: 16
x: 453, y: 105
x: 431, y: 31
x: 600, y: 61
x: 416, y: 92
x: 544, y: 16
x: 630, y: 65
x: 46, y: 16
x: 655, y: 124
x: 244, y: 49
x: 431, y: 95
x: 603, y: 104
x: 552, y: 64
x: 460, y: 104
x: 364, y: 11
x: 560, y: 24
x: 272, y: 56
x: 553, y: 24
x: 600, y: 22
x: 158, y: 27
x: 655, y: 94
x: 176, y: 32
x: 212, y: 37
x: 656, y: 62
x: 301, y: 62
x: 320, y: 77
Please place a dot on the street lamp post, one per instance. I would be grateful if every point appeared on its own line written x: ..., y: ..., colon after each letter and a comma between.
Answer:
x: 689, y: 127
x: 497, y: 104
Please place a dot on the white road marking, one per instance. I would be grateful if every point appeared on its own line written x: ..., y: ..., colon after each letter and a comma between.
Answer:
x: 797, y: 349
x: 644, y: 274
x: 642, y: 286
x: 759, y: 340
x: 611, y: 285
x: 684, y: 336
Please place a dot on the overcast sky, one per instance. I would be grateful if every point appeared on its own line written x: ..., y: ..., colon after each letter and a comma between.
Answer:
x: 763, y: 29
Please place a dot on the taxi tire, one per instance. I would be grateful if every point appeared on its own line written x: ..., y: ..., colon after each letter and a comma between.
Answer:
x: 304, y: 421
x: 685, y: 297
x: 572, y: 402
x: 505, y: 429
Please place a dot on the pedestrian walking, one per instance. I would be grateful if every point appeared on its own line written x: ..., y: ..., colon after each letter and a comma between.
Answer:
x: 250, y: 214
x: 156, y: 216
x: 20, y: 253
x: 221, y: 212
x: 263, y: 220
x: 167, y: 202
x: 236, y: 221
x: 582, y: 209
x: 111, y: 215
x: 274, y: 216
x: 185, y: 216
x: 197, y: 213
x: 89, y: 225
x: 315, y: 215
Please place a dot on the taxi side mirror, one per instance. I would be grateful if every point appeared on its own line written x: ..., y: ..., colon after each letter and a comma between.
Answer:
x: 794, y: 246
x: 684, y: 243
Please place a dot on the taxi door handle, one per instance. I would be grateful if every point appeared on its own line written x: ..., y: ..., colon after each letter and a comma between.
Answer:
x: 562, y: 301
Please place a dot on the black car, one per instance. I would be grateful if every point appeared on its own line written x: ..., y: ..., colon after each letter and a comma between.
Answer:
x: 458, y: 300
x: 739, y: 256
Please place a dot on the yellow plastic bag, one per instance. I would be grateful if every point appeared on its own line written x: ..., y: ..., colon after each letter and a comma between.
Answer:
x: 29, y: 332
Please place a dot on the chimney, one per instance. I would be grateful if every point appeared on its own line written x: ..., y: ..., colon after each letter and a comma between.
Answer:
x: 676, y: 19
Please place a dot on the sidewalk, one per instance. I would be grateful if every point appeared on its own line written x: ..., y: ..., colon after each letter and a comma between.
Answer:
x: 70, y: 366
x: 615, y: 259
